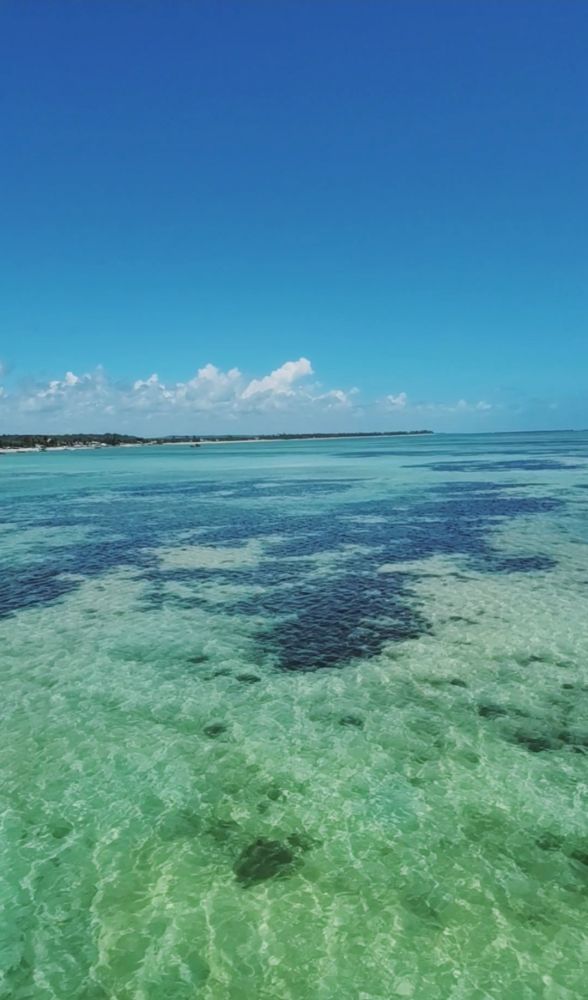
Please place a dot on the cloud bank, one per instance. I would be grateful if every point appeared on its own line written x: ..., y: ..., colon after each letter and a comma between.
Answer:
x: 211, y: 398
x: 289, y: 399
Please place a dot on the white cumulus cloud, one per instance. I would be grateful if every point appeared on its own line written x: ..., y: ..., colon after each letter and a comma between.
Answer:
x: 397, y: 402
x: 281, y: 380
x: 212, y: 399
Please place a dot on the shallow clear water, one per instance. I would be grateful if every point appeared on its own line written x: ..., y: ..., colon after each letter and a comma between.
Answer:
x: 296, y: 721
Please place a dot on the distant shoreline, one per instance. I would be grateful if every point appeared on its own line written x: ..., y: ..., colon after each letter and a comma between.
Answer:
x: 31, y: 443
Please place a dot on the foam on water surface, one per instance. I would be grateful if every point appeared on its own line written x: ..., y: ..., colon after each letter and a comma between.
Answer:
x: 296, y: 722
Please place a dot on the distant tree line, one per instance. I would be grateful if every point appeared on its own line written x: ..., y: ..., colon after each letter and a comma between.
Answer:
x: 81, y: 440
x: 307, y: 437
x: 112, y: 440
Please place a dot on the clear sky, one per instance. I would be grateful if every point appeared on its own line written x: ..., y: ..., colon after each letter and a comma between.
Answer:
x: 281, y: 215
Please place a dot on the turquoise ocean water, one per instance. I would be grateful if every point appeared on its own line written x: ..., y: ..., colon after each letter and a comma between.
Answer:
x: 302, y: 720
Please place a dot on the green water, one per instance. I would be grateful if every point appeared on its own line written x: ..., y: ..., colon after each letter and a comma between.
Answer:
x: 189, y: 809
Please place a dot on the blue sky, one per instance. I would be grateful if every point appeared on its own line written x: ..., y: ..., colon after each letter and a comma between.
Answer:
x: 387, y: 198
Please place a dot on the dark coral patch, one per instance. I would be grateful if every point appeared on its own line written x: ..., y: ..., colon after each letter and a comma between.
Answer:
x: 526, y: 659
x: 60, y: 829
x: 215, y: 729
x: 537, y: 744
x: 550, y: 842
x: 525, y: 564
x: 490, y: 711
x: 264, y: 859
x: 355, y: 721
x: 301, y: 841
x: 574, y: 739
x: 223, y: 830
x: 179, y: 824
x: 521, y: 464
x: 581, y: 856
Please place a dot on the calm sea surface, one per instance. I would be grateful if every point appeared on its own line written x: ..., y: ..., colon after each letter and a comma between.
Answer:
x: 301, y: 721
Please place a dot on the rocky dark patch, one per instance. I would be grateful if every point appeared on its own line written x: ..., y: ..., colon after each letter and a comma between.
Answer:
x: 179, y: 824
x: 420, y: 907
x: 338, y: 619
x: 577, y: 741
x: 248, y: 678
x: 537, y: 744
x: 550, y: 842
x: 59, y: 829
x: 199, y: 658
x: 264, y: 859
x: 581, y: 856
x: 29, y: 588
x: 526, y: 465
x: 457, y: 682
x: 478, y: 487
x: 223, y: 830
x: 301, y: 841
x: 491, y: 711
x: 524, y: 564
x: 214, y: 729
x: 353, y: 721
x: 526, y: 659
